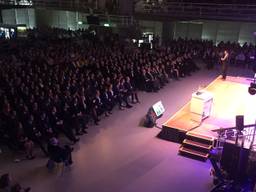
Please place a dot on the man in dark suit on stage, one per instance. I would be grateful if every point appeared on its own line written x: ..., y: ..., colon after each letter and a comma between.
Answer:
x: 224, y: 62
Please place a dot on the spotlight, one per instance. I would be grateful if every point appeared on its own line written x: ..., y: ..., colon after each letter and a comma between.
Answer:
x: 252, y: 89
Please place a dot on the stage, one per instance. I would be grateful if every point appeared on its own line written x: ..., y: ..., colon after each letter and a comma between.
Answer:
x: 230, y: 98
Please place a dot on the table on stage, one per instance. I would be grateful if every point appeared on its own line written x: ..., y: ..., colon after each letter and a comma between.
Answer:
x: 200, y: 106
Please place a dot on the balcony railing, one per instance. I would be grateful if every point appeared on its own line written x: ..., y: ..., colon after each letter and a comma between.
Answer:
x: 65, y: 4
x: 117, y: 19
x: 84, y: 6
x: 90, y: 6
x: 16, y: 2
x: 243, y: 12
x: 55, y: 4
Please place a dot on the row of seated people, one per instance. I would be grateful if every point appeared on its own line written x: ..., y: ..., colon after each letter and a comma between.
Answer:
x: 32, y: 120
x: 56, y: 86
x: 8, y: 184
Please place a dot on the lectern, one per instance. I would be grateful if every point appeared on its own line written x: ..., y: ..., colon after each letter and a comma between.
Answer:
x: 200, y: 105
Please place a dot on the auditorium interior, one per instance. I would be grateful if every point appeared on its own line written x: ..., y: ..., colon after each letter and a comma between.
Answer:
x: 127, y: 96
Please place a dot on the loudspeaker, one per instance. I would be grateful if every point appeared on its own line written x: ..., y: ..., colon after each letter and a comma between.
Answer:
x: 150, y: 118
x: 234, y: 160
x: 240, y: 122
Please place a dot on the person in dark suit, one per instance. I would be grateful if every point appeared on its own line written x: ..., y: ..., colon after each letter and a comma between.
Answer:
x: 23, y: 142
x: 53, y: 120
x: 130, y: 90
x: 106, y: 100
x: 34, y: 134
x: 58, y: 153
x: 98, y: 104
x: 111, y: 95
x: 224, y: 64
x: 74, y: 111
x: 84, y: 115
x: 44, y: 127
x: 122, y: 93
x: 80, y: 119
x: 117, y: 94
x: 66, y: 123
x: 146, y: 83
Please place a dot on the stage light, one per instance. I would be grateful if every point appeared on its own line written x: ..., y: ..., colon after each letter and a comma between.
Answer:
x: 252, y: 89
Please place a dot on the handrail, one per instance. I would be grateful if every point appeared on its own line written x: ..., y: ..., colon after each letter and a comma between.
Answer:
x: 253, y: 137
x: 230, y: 128
x: 244, y: 136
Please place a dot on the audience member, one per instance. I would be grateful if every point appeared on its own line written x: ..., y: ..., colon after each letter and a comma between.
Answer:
x: 58, y: 153
x: 8, y: 185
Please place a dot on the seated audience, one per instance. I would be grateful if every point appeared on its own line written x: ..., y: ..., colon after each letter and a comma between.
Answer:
x: 8, y: 185
x: 55, y: 82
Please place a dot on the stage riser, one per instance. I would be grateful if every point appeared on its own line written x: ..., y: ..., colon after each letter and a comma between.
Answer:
x: 173, y: 135
x: 221, y: 116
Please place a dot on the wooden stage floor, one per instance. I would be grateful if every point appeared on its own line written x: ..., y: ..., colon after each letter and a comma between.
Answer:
x: 230, y: 98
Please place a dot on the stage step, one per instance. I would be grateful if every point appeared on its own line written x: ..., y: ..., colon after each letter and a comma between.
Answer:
x: 193, y: 153
x: 196, y: 146
x: 200, y: 138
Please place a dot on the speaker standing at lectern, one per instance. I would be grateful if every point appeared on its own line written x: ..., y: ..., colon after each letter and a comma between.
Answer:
x: 224, y: 64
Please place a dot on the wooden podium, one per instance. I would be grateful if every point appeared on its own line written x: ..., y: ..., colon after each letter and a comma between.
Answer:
x: 200, y: 105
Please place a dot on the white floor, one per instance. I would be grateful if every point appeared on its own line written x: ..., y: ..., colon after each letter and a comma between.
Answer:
x: 119, y: 155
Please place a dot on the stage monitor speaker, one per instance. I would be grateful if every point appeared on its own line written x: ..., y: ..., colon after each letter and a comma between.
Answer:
x: 158, y: 108
x: 155, y: 112
x: 234, y: 160
x: 240, y: 122
x: 150, y: 118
